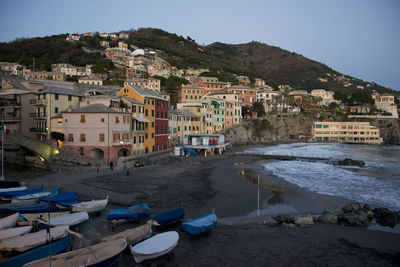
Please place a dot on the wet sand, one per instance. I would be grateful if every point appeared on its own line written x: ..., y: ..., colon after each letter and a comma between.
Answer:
x: 226, y: 183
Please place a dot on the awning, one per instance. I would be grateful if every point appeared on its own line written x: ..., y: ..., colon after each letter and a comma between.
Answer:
x: 215, y: 102
x: 141, y: 119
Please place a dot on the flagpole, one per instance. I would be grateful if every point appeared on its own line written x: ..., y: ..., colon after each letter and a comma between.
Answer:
x: 2, y: 149
x: 258, y: 196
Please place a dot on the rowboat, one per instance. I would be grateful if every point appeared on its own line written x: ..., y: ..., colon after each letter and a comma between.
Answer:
x: 10, y: 189
x: 14, y: 231
x: 90, y: 206
x: 54, y: 248
x: 34, y: 196
x: 200, y: 225
x: 134, y: 235
x: 155, y: 246
x: 68, y: 219
x: 60, y: 197
x: 29, y: 241
x: 102, y: 254
x: 11, y: 194
x: 9, y: 221
x: 135, y: 212
x: 169, y: 217
x: 32, y: 208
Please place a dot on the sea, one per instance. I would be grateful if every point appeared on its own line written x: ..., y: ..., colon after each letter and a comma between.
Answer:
x: 377, y: 183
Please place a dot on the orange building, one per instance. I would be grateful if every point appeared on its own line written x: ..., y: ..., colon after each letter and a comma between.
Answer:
x: 190, y: 92
x: 246, y: 94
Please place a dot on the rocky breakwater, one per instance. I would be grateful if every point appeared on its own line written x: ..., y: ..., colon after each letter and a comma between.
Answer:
x: 353, y: 214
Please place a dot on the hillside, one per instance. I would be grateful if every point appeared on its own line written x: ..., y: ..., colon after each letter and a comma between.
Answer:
x: 254, y: 59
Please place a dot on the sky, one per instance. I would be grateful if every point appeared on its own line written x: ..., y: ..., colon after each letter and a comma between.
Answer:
x: 360, y: 38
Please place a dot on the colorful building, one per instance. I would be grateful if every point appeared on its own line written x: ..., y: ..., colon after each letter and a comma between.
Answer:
x: 246, y: 94
x: 190, y: 92
x: 149, y: 83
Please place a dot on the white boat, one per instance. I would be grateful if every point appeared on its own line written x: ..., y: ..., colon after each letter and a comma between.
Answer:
x: 12, y: 189
x: 33, y: 196
x: 68, y: 219
x: 28, y: 241
x: 134, y: 235
x: 90, y: 206
x: 14, y: 231
x: 9, y: 221
x: 155, y: 246
x: 102, y: 254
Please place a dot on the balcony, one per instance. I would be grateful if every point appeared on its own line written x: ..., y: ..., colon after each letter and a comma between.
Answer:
x: 38, y: 102
x: 39, y: 116
x: 121, y: 142
x: 38, y: 130
x: 10, y: 118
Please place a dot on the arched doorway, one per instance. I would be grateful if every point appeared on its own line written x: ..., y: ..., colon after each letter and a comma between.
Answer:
x: 123, y: 152
x: 96, y: 153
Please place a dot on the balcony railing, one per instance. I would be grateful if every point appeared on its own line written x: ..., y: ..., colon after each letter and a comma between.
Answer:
x: 38, y: 102
x: 10, y: 118
x: 37, y: 115
x: 37, y: 130
x: 121, y: 142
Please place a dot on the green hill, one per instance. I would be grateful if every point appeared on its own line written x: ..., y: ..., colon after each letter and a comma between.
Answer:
x: 254, y: 59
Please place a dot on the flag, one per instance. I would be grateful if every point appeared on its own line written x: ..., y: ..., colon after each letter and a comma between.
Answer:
x: 4, y: 127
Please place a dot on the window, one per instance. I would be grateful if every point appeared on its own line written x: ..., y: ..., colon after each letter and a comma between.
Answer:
x: 81, y: 150
x: 69, y: 98
x: 56, y: 110
x: 82, y: 118
x: 157, y: 115
x: 147, y: 136
x: 116, y: 119
x: 83, y: 137
x: 146, y: 113
x: 152, y: 113
x: 152, y: 102
x: 56, y: 96
x: 123, y: 119
x: 133, y: 108
x: 134, y: 139
x: 70, y: 137
x: 152, y: 135
x: 102, y: 119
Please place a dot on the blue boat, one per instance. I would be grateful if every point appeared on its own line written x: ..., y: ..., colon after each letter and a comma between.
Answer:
x: 56, y: 247
x: 35, y: 196
x: 31, y: 208
x: 68, y: 203
x: 200, y: 225
x: 61, y: 197
x: 11, y: 194
x: 169, y: 217
x: 135, y: 212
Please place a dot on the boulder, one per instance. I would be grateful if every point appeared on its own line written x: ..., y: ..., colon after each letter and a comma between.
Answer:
x: 288, y: 225
x: 328, y: 218
x: 333, y: 210
x: 366, y: 207
x: 388, y: 220
x: 270, y: 221
x: 382, y: 212
x: 352, y: 207
x: 284, y: 219
x: 304, y: 220
x: 355, y: 219
x: 369, y: 214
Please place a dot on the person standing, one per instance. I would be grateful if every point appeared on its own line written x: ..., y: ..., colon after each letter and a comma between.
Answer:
x: 111, y: 165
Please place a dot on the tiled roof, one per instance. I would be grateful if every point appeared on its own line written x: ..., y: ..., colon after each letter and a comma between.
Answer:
x: 94, y: 108
x: 60, y: 91
x: 132, y: 100
x: 146, y: 92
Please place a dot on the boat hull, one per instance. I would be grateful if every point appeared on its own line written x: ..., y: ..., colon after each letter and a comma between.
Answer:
x: 200, y: 225
x: 135, y: 212
x: 169, y: 217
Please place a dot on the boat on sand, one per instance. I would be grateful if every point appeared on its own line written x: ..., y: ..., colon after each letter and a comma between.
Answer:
x: 90, y: 206
x: 200, y: 225
x: 9, y: 221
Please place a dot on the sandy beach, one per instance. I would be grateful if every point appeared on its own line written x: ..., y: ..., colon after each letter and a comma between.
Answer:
x: 228, y: 184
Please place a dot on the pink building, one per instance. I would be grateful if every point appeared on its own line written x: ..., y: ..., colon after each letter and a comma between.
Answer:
x: 97, y: 131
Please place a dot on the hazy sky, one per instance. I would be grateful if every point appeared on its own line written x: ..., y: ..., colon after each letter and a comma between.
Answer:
x: 356, y: 37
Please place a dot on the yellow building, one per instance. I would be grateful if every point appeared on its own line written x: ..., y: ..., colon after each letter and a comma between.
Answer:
x: 346, y: 132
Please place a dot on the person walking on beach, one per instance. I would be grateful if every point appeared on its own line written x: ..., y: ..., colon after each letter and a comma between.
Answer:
x: 111, y: 165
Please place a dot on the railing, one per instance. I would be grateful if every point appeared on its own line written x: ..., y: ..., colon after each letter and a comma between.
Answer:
x: 37, y: 115
x: 10, y: 118
x: 37, y: 130
x: 38, y: 101
x: 121, y: 142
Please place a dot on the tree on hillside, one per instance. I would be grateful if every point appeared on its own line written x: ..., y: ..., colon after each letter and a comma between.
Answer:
x: 259, y: 108
x: 362, y: 97
x: 98, y: 69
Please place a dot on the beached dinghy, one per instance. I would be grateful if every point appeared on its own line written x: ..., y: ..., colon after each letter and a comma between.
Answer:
x: 28, y: 241
x: 169, y: 217
x: 32, y: 208
x: 134, y: 235
x: 54, y: 248
x: 9, y: 221
x: 10, y: 189
x: 14, y: 231
x: 135, y: 212
x: 102, y: 254
x: 11, y: 194
x: 60, y: 197
x: 90, y: 206
x: 200, y: 225
x: 155, y: 246
x: 34, y: 196
x: 68, y: 219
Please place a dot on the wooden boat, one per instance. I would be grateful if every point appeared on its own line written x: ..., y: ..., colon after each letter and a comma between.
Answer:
x: 90, y: 206
x: 9, y: 221
x: 32, y: 208
x: 10, y: 189
x: 200, y: 225
x: 135, y: 212
x: 34, y: 196
x: 169, y: 217
x: 102, y: 254
x: 54, y: 248
x: 134, y: 235
x: 9, y: 184
x: 11, y: 194
x: 14, y: 231
x: 155, y: 246
x: 29, y: 241
x: 61, y: 197
x: 68, y: 219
